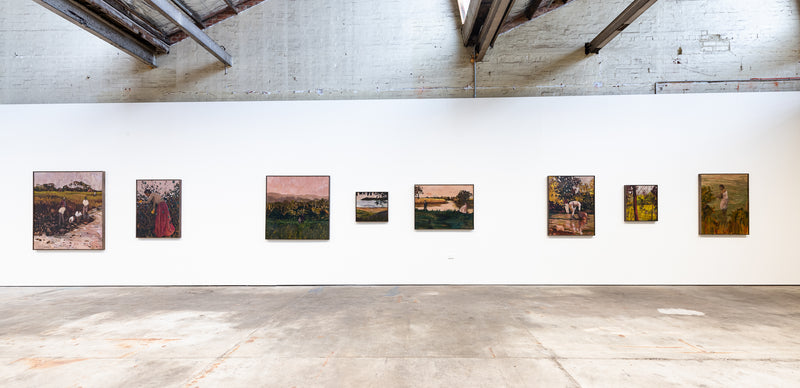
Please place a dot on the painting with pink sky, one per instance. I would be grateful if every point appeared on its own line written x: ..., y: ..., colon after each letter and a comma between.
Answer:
x: 68, y: 210
x: 444, y: 206
x: 298, y: 208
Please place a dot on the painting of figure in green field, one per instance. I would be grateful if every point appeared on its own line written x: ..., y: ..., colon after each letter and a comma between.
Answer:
x: 372, y: 206
x: 570, y: 205
x: 641, y: 202
x: 298, y: 208
x: 724, y: 204
x: 158, y: 208
x: 444, y: 206
x: 68, y: 209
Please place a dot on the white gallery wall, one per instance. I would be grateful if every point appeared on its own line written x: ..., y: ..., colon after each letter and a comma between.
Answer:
x: 505, y: 147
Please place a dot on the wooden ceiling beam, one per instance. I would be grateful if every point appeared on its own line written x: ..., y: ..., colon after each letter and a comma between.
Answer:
x: 498, y: 12
x: 184, y: 23
x: 232, y: 6
x: 621, y: 22
x: 91, y: 22
x: 198, y: 21
x: 532, y: 7
x: 468, y: 27
x: 146, y: 33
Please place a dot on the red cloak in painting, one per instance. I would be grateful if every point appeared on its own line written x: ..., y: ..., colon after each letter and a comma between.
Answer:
x: 164, y: 227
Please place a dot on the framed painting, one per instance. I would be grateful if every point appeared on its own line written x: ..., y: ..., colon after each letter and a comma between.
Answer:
x: 570, y: 205
x: 444, y: 207
x: 298, y: 208
x: 372, y: 206
x: 69, y: 210
x: 724, y: 204
x: 158, y: 208
x: 641, y: 203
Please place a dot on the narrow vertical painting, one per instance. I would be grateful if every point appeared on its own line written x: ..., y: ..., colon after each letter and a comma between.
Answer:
x: 68, y: 210
x: 158, y: 208
x: 444, y: 206
x: 372, y: 206
x: 724, y: 204
x: 641, y: 202
x: 570, y: 206
x: 298, y: 208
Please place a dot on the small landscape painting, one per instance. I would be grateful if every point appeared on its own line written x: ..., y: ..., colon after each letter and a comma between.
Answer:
x: 372, y: 206
x: 444, y: 206
x: 570, y: 205
x: 724, y: 204
x: 158, y: 208
x: 641, y: 202
x: 298, y: 208
x: 68, y: 210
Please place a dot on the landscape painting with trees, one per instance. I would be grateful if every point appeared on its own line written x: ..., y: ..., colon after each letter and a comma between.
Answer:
x: 158, y: 208
x: 68, y: 210
x: 570, y: 206
x: 372, y: 206
x: 641, y: 202
x: 444, y: 206
x: 298, y: 208
x: 724, y: 204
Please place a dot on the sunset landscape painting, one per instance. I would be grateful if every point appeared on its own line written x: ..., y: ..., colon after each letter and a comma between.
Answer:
x: 444, y: 206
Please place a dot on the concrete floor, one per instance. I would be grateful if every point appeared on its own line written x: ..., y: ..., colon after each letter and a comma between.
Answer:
x: 482, y: 336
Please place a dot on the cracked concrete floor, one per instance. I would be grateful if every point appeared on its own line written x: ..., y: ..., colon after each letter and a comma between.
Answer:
x: 412, y: 336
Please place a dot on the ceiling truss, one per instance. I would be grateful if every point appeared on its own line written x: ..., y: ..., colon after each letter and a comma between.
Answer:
x: 146, y: 28
x: 484, y: 20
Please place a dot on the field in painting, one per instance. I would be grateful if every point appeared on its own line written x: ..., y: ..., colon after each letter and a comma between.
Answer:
x: 444, y: 207
x: 445, y: 219
x: 736, y: 220
x: 298, y: 208
x: 47, y: 203
x: 77, y: 228
x: 374, y: 214
x: 372, y: 206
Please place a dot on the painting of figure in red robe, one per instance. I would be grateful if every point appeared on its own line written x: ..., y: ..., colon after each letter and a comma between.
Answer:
x: 158, y: 208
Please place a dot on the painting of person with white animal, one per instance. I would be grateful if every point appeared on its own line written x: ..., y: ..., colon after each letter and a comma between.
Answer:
x: 570, y: 205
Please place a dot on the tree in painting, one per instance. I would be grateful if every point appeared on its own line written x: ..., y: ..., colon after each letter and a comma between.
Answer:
x: 68, y: 210
x: 444, y: 206
x: 372, y: 206
x: 641, y: 203
x: 298, y: 208
x: 570, y: 205
x: 724, y: 204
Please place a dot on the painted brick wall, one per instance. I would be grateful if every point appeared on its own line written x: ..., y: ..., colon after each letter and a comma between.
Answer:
x: 363, y: 49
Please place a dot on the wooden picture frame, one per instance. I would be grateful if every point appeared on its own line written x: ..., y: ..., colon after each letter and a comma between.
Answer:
x: 723, y: 204
x: 298, y: 207
x: 444, y: 207
x: 60, y: 199
x: 156, y: 223
x: 571, y: 205
x: 367, y: 211
x: 641, y: 206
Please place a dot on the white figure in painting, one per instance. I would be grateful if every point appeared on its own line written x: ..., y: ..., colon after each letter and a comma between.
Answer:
x: 570, y: 207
